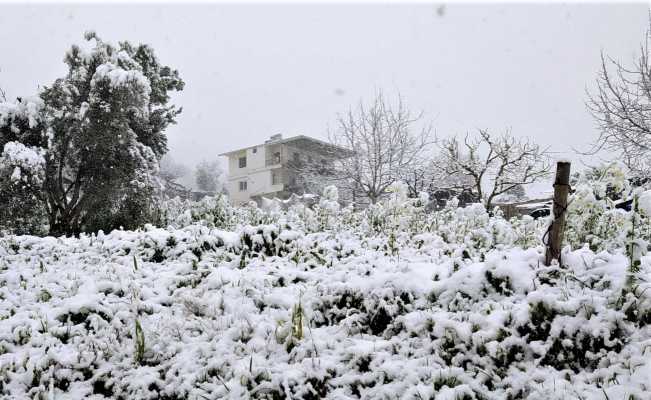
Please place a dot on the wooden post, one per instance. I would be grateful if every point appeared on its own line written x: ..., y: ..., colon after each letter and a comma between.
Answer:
x: 555, y: 233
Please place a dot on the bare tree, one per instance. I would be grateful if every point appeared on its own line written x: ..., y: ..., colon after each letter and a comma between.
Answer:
x: 492, y: 165
x: 384, y: 143
x: 621, y: 106
x: 421, y: 177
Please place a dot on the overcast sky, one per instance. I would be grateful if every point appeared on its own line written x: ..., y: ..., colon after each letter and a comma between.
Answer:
x: 255, y: 70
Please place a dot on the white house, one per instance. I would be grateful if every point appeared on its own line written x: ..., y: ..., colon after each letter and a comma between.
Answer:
x: 273, y: 169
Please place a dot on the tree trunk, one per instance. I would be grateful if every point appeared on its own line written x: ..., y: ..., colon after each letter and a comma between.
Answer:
x: 556, y: 230
x: 64, y: 225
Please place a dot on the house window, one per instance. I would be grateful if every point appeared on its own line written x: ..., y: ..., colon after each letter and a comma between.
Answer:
x: 277, y: 157
x: 243, y: 186
x: 275, y: 178
x: 242, y: 162
x: 297, y: 157
x: 255, y: 150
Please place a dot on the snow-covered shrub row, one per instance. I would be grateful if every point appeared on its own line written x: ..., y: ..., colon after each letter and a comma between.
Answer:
x: 592, y: 217
x: 396, y: 222
x: 322, y: 302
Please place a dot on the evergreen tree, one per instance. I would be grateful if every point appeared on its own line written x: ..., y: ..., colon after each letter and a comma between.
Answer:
x: 100, y: 130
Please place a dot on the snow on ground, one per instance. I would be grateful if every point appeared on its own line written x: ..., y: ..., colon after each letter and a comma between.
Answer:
x: 262, y: 312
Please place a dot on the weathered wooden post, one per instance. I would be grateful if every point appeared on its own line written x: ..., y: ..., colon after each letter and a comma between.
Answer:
x: 555, y: 233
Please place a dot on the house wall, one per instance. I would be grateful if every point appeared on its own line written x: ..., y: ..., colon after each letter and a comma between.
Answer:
x: 259, y: 182
x: 258, y: 171
x: 255, y: 174
x: 254, y: 161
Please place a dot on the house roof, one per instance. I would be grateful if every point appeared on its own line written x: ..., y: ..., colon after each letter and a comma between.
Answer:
x: 290, y: 140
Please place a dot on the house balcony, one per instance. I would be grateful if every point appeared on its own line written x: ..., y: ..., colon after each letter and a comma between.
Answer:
x: 273, y: 155
x: 272, y: 161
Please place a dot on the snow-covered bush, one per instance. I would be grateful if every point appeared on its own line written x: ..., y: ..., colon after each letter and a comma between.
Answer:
x: 592, y: 216
x: 213, y: 211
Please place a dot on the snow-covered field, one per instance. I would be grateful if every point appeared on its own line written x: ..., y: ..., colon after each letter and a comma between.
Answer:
x: 447, y: 306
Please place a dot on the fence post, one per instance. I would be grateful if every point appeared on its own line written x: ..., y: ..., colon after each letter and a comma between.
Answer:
x: 555, y: 233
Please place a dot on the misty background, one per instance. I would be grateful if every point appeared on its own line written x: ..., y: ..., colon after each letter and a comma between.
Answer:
x: 252, y: 71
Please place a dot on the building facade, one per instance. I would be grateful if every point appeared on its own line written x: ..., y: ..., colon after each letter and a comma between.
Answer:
x: 278, y: 167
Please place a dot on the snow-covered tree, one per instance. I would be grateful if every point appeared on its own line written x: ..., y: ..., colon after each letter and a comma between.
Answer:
x: 209, y: 176
x: 100, y: 130
x: 383, y: 141
x: 621, y: 106
x: 493, y: 165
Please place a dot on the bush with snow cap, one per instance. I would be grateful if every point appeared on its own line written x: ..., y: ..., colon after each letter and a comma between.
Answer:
x: 330, y: 198
x: 213, y: 211
x: 592, y: 217
x: 325, y: 215
x: 397, y: 211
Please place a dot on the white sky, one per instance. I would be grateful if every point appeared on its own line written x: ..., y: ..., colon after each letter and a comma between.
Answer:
x: 255, y: 70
